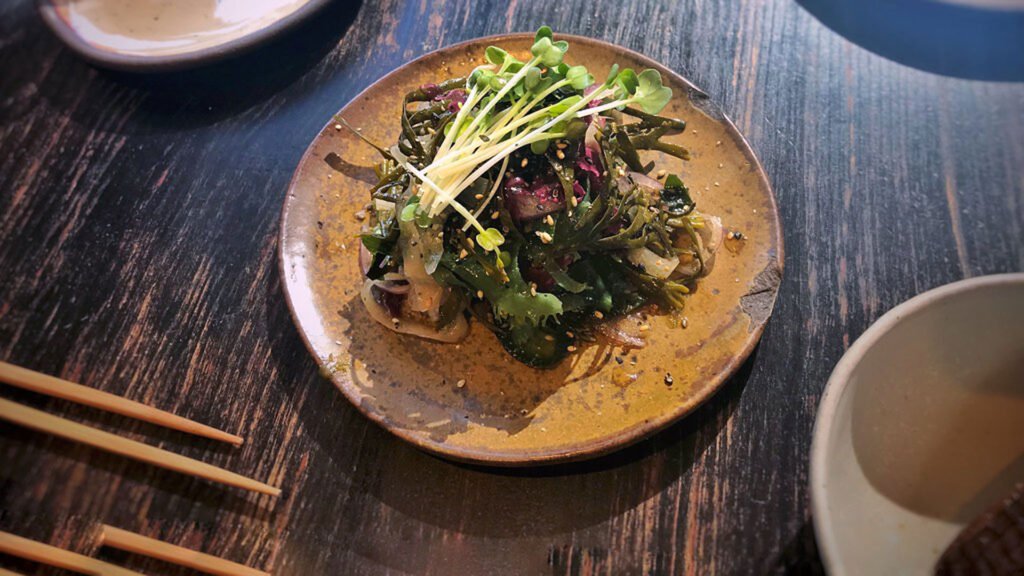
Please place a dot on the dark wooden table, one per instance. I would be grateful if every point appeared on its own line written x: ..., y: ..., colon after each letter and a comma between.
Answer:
x: 138, y: 227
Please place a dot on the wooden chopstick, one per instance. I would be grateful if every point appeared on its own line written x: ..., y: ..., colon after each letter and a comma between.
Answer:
x: 59, y: 557
x: 8, y: 573
x: 132, y: 542
x: 38, y: 420
x: 52, y: 386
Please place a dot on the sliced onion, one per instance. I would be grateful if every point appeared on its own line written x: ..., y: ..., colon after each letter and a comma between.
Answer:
x: 392, y: 287
x: 365, y: 259
x: 711, y: 239
x: 455, y: 331
x: 655, y: 265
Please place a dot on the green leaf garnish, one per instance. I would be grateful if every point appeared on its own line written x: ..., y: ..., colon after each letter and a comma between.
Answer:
x: 496, y: 55
x: 556, y: 109
x: 549, y: 53
x: 613, y: 73
x: 533, y: 77
x: 627, y: 80
x: 651, y: 95
x: 490, y: 239
x: 578, y: 77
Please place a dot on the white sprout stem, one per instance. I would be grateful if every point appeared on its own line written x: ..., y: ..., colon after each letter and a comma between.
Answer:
x: 473, y: 158
x: 453, y: 132
x: 603, y: 107
x: 519, y: 143
x: 439, y: 165
x: 504, y: 90
x: 451, y: 202
x: 518, y: 108
x: 505, y: 152
x: 468, y: 139
x: 494, y: 190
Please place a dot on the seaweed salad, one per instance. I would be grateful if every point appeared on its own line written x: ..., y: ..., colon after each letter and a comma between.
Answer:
x: 519, y: 196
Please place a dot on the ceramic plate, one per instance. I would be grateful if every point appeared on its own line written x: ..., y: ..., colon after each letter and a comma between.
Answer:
x: 507, y: 413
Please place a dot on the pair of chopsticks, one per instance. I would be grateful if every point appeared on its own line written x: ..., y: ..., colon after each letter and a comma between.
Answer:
x: 122, y: 540
x: 57, y: 426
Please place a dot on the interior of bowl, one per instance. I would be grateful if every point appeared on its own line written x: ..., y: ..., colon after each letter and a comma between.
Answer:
x: 151, y: 34
x: 921, y: 429
x: 472, y: 401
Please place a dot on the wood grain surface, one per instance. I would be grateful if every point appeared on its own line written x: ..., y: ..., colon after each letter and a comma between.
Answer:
x: 138, y: 226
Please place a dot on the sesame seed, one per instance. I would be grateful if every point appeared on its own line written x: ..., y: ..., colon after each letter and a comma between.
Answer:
x: 718, y: 143
x: 569, y: 334
x: 645, y: 327
x: 524, y: 162
x: 661, y: 173
x: 561, y: 145
x: 463, y: 254
x: 668, y: 379
x: 337, y: 126
x: 533, y: 289
x: 560, y: 155
x: 549, y: 220
x: 570, y: 348
x: 544, y: 237
x: 469, y: 241
x: 361, y: 215
x: 685, y: 323
x: 720, y: 165
x: 480, y: 294
x: 598, y: 314
x: 495, y: 214
x: 479, y: 196
x: 717, y: 184
x: 549, y: 337
x: 574, y: 202
x: 460, y: 383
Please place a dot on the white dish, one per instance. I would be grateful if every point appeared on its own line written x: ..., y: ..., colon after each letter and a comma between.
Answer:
x: 165, y: 34
x: 921, y: 428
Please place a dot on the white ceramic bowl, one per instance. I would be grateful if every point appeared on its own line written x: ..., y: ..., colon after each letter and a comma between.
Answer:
x: 921, y: 428
x: 161, y: 35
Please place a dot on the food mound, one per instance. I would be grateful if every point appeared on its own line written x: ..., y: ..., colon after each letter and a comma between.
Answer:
x: 518, y: 196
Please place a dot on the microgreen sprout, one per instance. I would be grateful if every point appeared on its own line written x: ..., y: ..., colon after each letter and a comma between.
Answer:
x: 511, y: 104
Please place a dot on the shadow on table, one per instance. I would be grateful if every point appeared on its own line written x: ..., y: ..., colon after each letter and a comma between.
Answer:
x: 556, y: 499
x: 800, y: 555
x: 207, y: 94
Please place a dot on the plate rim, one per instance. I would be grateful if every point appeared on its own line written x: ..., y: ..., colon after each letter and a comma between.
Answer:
x: 171, y: 62
x: 593, y: 448
x: 839, y: 382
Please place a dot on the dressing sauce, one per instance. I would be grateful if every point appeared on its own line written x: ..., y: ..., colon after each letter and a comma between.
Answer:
x: 167, y: 27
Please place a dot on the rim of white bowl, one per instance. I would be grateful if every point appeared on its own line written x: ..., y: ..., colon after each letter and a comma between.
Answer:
x: 820, y: 515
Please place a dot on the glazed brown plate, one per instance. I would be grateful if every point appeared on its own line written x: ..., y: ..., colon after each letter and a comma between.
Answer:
x: 472, y: 401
